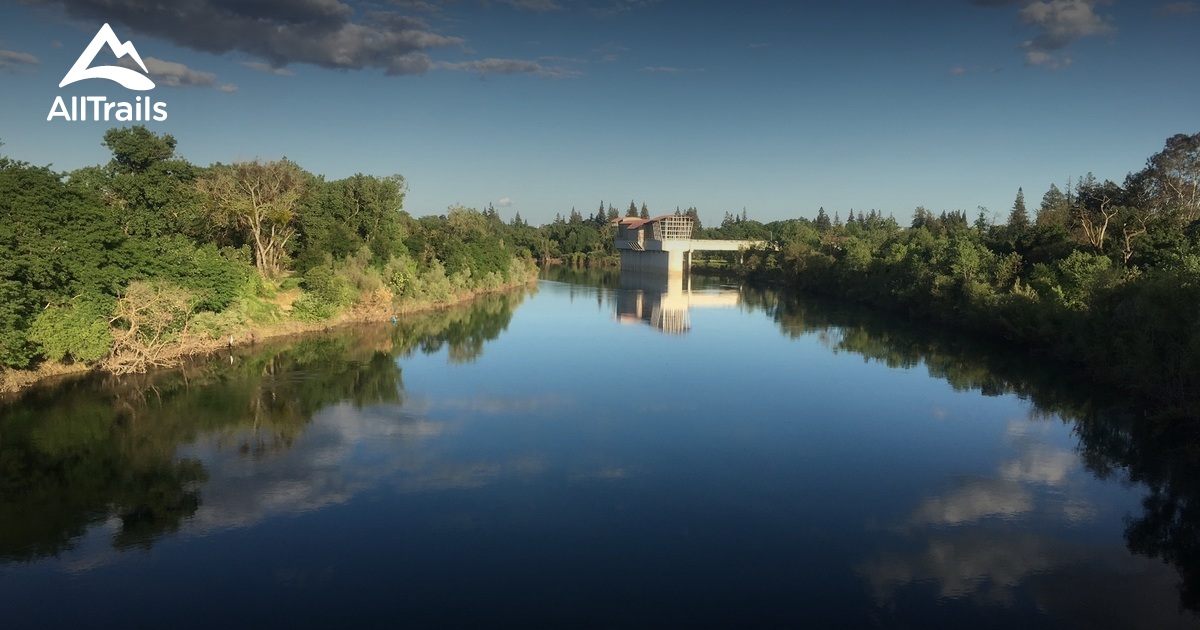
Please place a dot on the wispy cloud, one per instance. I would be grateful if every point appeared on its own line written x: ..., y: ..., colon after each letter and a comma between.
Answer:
x: 510, y: 66
x: 958, y: 71
x: 537, y: 6
x: 13, y: 61
x: 758, y: 45
x: 1179, y: 8
x: 617, y: 7
x: 268, y: 68
x: 669, y: 70
x: 423, y: 6
x: 174, y: 74
x: 610, y: 51
x: 505, y: 202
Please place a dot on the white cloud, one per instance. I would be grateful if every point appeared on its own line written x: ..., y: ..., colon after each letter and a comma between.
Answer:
x: 1058, y: 24
x: 505, y: 202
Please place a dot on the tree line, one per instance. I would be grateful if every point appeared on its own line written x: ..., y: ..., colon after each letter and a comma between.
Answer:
x: 1103, y: 274
x: 122, y: 263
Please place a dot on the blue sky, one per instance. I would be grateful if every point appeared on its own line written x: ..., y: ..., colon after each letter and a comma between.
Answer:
x: 539, y: 106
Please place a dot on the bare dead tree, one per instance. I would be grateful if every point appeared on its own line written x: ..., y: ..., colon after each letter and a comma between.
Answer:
x: 149, y: 322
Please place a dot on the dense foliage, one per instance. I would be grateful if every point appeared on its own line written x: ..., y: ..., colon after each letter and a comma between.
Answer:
x: 126, y: 262
x: 1105, y: 275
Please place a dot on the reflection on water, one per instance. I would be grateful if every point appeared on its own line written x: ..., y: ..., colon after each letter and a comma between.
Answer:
x: 664, y: 301
x: 104, y: 448
x: 779, y: 484
x: 965, y: 541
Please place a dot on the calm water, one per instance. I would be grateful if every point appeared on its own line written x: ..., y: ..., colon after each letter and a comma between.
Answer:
x: 599, y: 453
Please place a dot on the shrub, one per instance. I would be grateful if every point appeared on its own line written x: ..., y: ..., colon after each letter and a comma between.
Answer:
x: 77, y: 330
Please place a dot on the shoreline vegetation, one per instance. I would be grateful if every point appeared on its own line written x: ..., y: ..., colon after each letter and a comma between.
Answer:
x: 111, y: 265
x: 16, y: 382
x: 1103, y: 276
x: 1099, y: 275
x: 149, y: 259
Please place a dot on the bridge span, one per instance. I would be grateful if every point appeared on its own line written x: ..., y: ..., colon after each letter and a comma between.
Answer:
x: 664, y: 244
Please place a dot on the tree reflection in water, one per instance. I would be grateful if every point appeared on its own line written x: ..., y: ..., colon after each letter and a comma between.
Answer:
x: 1118, y: 436
x: 91, y: 449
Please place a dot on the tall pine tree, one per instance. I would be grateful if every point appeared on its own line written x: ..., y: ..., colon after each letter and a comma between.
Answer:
x: 822, y: 222
x: 1019, y: 219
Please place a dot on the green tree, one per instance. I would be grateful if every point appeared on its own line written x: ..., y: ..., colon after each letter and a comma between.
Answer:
x: 339, y: 218
x: 57, y: 241
x: 136, y: 149
x: 1018, y: 219
x: 1055, y: 208
x: 822, y: 222
x: 149, y: 191
x: 1173, y: 176
x: 261, y: 200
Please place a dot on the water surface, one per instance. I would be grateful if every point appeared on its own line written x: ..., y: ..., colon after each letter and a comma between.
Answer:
x: 599, y: 452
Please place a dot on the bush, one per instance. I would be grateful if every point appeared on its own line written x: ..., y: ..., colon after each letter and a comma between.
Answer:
x: 78, y: 330
x: 325, y: 293
x: 219, y: 325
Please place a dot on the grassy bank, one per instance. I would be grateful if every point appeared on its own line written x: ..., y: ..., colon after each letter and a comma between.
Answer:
x: 13, y: 381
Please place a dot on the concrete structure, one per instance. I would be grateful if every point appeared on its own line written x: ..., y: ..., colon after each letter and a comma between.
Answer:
x: 664, y: 301
x: 663, y: 245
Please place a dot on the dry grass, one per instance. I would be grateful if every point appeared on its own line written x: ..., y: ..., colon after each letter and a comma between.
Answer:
x: 13, y: 381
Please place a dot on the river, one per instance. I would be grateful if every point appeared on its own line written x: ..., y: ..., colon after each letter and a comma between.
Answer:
x: 599, y: 452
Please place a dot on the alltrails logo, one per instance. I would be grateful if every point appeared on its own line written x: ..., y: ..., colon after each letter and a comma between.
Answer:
x: 142, y: 109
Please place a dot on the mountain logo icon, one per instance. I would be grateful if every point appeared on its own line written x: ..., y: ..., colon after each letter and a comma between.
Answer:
x: 128, y: 78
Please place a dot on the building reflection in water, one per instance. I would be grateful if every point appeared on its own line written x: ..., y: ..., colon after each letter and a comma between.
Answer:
x: 664, y: 300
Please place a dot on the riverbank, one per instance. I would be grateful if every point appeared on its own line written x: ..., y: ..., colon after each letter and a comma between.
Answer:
x: 14, y: 382
x: 1125, y: 337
